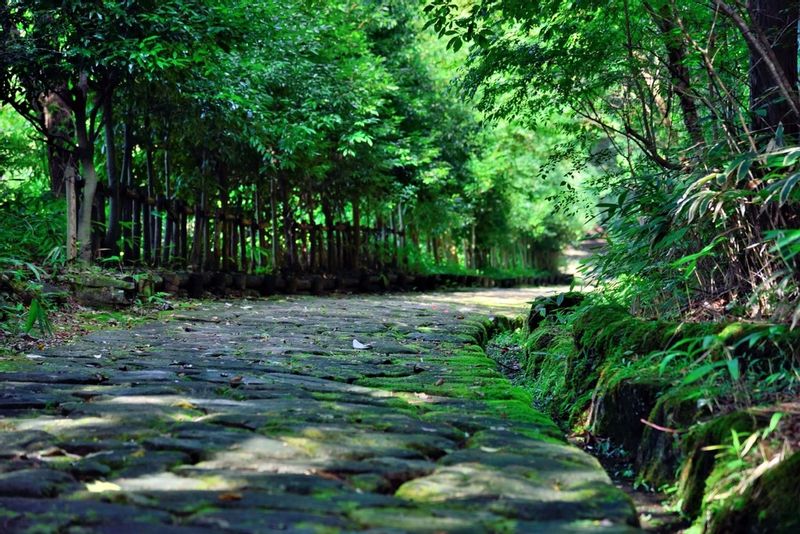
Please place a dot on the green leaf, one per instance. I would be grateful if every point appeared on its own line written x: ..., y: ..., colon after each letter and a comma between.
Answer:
x: 701, y: 372
x: 733, y: 369
x: 773, y: 424
x: 33, y: 314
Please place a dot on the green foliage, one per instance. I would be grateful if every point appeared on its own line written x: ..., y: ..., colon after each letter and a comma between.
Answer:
x: 34, y: 228
x: 301, y: 111
x: 713, y: 392
x: 697, y: 189
x: 37, y: 316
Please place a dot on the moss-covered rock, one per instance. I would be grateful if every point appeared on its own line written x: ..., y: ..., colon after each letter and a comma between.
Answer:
x: 659, y: 455
x: 620, y: 408
x: 545, y: 361
x: 699, y: 463
x: 625, y: 370
x: 770, y: 504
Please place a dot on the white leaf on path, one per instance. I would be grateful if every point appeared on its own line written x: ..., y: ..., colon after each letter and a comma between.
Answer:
x: 360, y: 346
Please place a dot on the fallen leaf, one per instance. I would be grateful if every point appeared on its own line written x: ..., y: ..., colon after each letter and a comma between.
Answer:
x: 360, y: 346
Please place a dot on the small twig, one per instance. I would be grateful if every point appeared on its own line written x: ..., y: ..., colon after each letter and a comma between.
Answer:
x: 661, y: 428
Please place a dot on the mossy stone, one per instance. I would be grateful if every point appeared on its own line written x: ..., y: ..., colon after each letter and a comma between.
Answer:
x: 620, y: 409
x: 771, y: 504
x: 659, y: 455
x: 699, y: 463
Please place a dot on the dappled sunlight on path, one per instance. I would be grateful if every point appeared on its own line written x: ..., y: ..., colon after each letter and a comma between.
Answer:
x: 492, y: 302
x: 260, y: 416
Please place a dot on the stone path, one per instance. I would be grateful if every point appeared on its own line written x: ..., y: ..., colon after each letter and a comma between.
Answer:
x: 262, y: 417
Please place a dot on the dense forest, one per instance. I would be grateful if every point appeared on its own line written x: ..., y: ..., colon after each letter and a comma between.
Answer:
x: 259, y: 136
x: 691, y: 111
x: 462, y: 137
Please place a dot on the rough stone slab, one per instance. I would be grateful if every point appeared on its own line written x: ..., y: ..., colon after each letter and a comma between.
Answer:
x: 260, y: 416
x: 35, y: 483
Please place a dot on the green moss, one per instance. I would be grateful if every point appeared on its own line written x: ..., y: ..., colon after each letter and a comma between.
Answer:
x: 416, y: 519
x: 699, y: 463
x: 546, y: 358
x: 15, y: 363
x: 105, y: 320
x: 659, y: 455
x: 326, y: 395
x: 630, y: 368
x: 471, y: 375
x: 770, y: 504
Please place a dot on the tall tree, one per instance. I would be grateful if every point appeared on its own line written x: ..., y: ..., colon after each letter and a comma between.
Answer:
x: 773, y: 65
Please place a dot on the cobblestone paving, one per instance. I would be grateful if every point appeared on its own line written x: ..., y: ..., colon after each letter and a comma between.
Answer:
x: 261, y: 416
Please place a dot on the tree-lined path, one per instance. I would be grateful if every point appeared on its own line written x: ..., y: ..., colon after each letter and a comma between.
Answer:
x: 262, y: 416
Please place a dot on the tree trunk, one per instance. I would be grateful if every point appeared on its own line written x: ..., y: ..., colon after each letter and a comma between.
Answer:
x: 313, y: 260
x: 158, y: 231
x: 288, y: 225
x: 151, y: 193
x: 60, y: 132
x: 257, y: 232
x: 126, y: 202
x: 776, y: 20
x: 184, y: 234
x: 679, y: 72
x: 88, y: 172
x: 147, y: 230
x: 113, y: 227
x: 244, y: 267
x: 473, y: 248
x: 72, y: 212
x: 169, y: 212
x: 356, y: 233
x: 274, y: 216
x: 330, y: 237
x: 198, y: 245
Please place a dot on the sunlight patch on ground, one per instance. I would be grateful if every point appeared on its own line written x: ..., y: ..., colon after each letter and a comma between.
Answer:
x: 173, y: 482
x: 58, y: 424
x: 505, y: 302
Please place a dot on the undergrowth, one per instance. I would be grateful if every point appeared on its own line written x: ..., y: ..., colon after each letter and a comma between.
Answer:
x: 590, y: 363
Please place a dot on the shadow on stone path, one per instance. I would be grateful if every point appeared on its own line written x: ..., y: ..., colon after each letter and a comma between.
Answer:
x: 260, y: 416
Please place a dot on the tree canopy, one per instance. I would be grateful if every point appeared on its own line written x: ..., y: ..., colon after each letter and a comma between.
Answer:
x: 249, y: 135
x: 688, y: 111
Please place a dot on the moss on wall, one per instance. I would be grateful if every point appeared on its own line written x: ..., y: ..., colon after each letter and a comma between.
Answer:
x: 599, y: 365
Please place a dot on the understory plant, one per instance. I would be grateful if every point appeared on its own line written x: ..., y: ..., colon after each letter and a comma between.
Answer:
x: 721, y: 243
